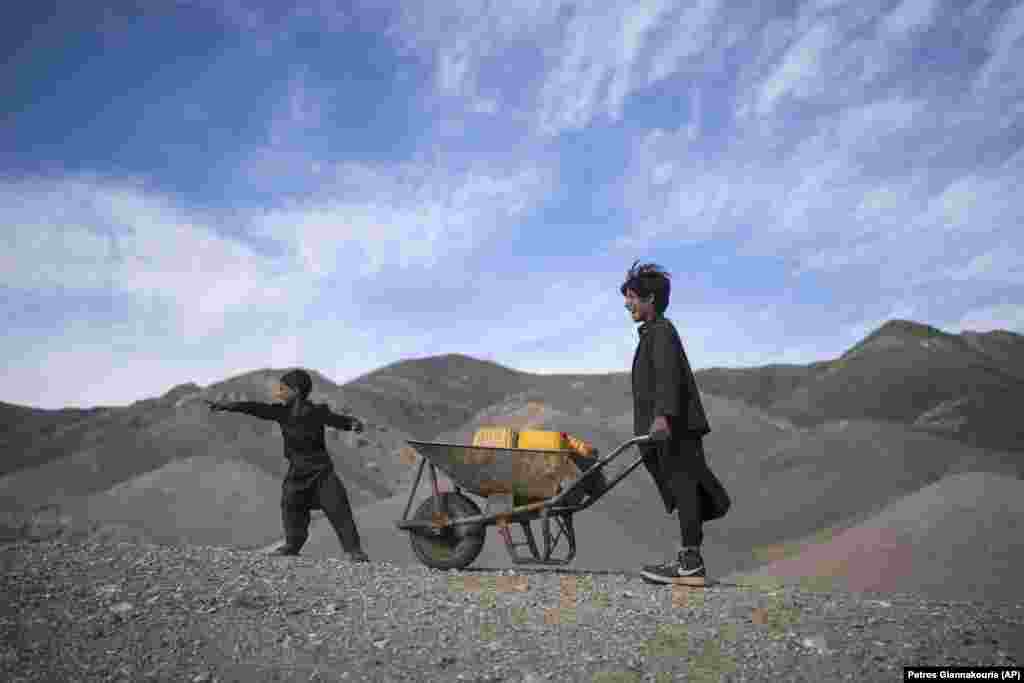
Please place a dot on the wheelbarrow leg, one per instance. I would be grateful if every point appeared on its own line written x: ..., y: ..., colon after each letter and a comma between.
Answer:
x: 566, y: 529
x: 415, y: 485
x: 434, y: 489
x: 506, y: 534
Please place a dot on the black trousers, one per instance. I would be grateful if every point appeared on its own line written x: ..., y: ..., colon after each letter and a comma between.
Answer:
x: 327, y: 493
x: 677, y: 468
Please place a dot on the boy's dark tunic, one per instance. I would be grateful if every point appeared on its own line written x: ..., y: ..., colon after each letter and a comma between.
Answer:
x: 663, y: 384
x: 311, y: 482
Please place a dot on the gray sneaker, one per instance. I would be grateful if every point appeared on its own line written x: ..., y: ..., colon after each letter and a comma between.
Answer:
x: 358, y: 556
x: 284, y: 550
x: 687, y: 570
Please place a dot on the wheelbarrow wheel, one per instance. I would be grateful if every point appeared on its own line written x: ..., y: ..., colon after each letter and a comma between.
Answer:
x: 456, y: 547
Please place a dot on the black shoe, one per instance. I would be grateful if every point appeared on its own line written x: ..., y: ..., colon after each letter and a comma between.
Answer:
x: 687, y: 570
x: 284, y: 550
x: 358, y: 556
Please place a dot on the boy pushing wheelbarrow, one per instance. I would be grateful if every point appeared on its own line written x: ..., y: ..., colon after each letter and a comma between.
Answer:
x: 448, y: 530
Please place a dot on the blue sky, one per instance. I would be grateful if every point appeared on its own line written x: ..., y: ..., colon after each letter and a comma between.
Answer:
x: 213, y: 187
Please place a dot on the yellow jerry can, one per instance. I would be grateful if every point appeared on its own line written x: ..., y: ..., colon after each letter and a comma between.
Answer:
x: 532, y: 439
x: 495, y: 437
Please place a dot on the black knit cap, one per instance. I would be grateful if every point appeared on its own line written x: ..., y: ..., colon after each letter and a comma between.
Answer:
x: 300, y: 381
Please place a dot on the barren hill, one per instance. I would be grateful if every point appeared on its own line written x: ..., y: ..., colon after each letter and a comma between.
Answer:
x: 959, y: 386
x: 958, y: 539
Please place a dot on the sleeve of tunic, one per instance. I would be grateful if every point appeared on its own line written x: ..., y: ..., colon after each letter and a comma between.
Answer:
x: 666, y: 357
x: 332, y: 419
x: 264, y: 411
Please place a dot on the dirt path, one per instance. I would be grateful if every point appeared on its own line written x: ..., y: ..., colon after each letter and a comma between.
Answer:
x: 84, y: 612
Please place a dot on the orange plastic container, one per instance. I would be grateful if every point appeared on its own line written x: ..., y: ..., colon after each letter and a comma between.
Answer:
x: 580, y: 447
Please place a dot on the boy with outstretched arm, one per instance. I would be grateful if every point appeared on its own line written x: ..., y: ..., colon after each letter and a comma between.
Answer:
x: 311, y: 482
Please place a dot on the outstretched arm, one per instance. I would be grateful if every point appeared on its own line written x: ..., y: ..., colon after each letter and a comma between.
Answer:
x: 264, y: 411
x: 344, y: 422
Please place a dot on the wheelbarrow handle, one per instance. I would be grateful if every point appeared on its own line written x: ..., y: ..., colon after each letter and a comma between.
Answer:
x: 643, y: 440
x: 654, y: 437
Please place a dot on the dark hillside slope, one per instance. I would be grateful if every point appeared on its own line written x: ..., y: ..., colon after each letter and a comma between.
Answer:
x: 30, y: 437
x: 427, y: 396
x: 958, y: 539
x: 963, y: 386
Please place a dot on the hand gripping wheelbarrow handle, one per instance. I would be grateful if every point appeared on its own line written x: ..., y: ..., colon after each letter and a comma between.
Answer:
x: 660, y: 435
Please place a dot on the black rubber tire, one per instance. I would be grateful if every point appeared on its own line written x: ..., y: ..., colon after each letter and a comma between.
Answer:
x: 458, y: 546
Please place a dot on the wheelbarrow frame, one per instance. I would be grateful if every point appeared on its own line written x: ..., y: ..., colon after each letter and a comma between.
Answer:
x: 545, y: 510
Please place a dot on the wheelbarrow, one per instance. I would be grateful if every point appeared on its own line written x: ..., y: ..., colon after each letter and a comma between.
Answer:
x: 448, y: 529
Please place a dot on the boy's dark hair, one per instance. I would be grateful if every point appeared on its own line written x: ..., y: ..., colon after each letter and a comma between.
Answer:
x: 300, y: 381
x: 647, y: 279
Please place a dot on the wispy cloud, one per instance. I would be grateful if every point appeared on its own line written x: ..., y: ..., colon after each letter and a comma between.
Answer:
x: 596, y: 66
x: 1008, y: 316
x: 413, y: 215
x: 851, y: 181
x: 1006, y: 48
x: 585, y: 59
x: 273, y: 24
x: 180, y: 277
x: 1003, y: 265
x: 800, y: 73
x: 910, y: 16
x: 137, y: 243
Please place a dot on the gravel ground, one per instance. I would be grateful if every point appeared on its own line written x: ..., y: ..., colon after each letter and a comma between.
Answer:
x: 87, y: 611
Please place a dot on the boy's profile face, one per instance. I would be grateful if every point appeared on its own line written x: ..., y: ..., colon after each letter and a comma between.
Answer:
x: 282, y: 392
x: 639, y: 309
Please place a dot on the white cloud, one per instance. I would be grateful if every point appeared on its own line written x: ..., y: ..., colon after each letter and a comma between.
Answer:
x: 1007, y: 48
x: 92, y: 362
x: 135, y: 243
x: 485, y: 106
x: 822, y: 6
x: 883, y: 202
x: 590, y: 56
x: 998, y: 317
x: 292, y: 154
x: 693, y: 35
x: 1004, y: 264
x: 909, y: 15
x: 47, y: 242
x: 663, y: 173
x: 273, y: 24
x: 869, y: 124
x: 670, y: 197
x: 411, y: 216
x: 800, y: 73
x: 304, y: 107
x: 583, y: 60
x: 973, y: 204
x: 462, y: 35
x: 536, y: 308
x: 454, y: 68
